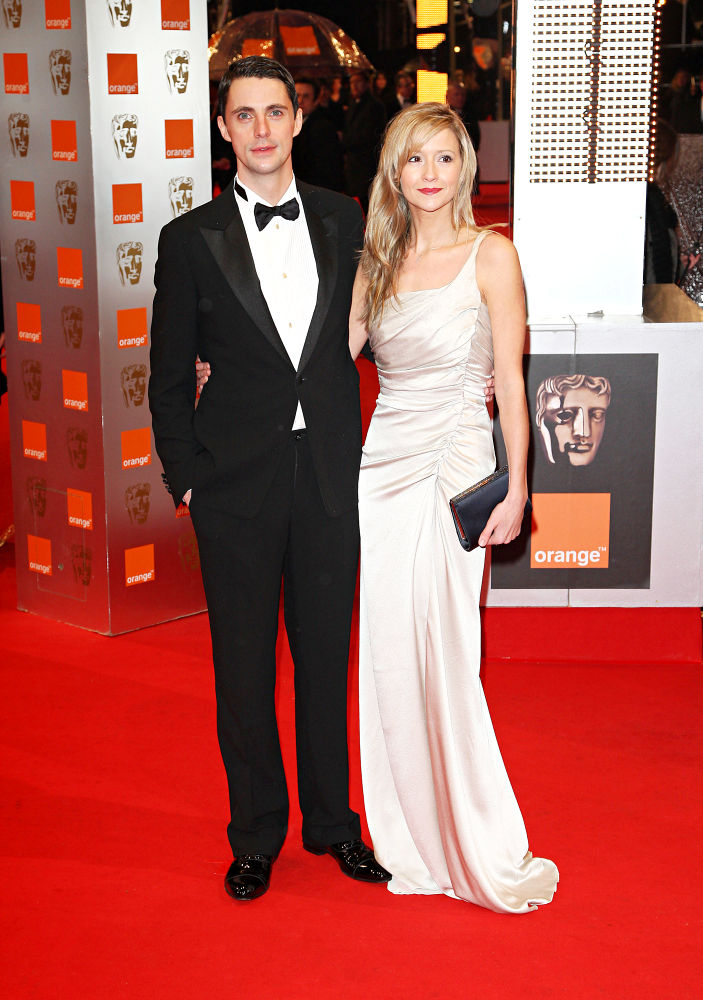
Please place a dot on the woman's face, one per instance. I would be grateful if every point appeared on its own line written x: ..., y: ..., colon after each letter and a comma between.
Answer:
x: 430, y: 177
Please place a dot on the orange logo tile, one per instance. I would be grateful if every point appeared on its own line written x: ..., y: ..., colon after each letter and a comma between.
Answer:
x: 22, y: 204
x: 179, y: 138
x: 69, y: 264
x: 136, y: 448
x: 64, y: 145
x: 16, y: 72
x: 29, y: 322
x: 570, y: 531
x: 79, y: 505
x: 34, y: 440
x: 258, y: 47
x: 127, y: 203
x: 139, y: 565
x: 122, y: 75
x: 39, y: 554
x: 57, y: 15
x: 132, y: 329
x: 175, y: 15
x: 299, y: 41
x: 75, y: 390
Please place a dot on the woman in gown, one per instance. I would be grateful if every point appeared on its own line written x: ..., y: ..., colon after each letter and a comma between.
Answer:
x: 442, y: 304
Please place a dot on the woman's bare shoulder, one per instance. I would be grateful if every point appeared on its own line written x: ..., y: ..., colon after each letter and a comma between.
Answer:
x: 496, y: 249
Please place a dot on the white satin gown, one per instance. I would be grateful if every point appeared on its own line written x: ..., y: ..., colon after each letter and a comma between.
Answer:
x: 440, y: 807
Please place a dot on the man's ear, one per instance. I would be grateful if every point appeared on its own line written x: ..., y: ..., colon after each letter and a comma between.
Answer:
x: 298, y: 122
x: 223, y: 129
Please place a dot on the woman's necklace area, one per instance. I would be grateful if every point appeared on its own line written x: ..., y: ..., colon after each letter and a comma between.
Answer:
x: 442, y: 246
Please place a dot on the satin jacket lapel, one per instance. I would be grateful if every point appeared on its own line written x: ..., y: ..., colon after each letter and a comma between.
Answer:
x: 229, y: 246
x: 324, y: 234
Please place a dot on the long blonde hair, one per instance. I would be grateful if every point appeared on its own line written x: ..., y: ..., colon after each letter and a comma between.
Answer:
x: 388, y: 223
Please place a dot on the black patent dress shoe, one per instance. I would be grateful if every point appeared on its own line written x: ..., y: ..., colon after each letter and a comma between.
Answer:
x: 355, y: 859
x: 249, y: 876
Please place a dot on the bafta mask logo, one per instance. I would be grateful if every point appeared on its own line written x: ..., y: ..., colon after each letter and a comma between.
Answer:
x: 570, y: 417
x: 18, y: 127
x: 180, y: 194
x: 177, y: 66
x: 82, y: 560
x: 137, y: 501
x: 31, y: 379
x: 67, y: 201
x: 36, y: 495
x: 26, y: 255
x: 124, y: 135
x: 133, y: 379
x: 12, y: 11
x: 60, y: 70
x: 120, y: 12
x: 72, y: 324
x: 129, y: 261
x: 77, y: 442
x: 188, y: 552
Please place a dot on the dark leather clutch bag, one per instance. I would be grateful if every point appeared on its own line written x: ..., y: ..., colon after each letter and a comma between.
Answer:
x: 472, y: 508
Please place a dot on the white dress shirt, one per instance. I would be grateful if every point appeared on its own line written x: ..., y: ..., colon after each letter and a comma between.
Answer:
x: 287, y: 272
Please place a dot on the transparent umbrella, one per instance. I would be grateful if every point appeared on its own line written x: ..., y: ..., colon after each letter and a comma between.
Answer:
x: 307, y: 44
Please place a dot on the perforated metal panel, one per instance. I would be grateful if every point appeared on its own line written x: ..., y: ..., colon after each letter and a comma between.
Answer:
x: 590, y: 90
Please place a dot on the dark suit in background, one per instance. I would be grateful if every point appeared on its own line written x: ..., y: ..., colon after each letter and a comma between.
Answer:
x: 363, y: 128
x: 317, y: 152
x: 267, y: 503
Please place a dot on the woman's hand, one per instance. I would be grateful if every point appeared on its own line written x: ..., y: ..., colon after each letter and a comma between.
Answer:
x: 202, y: 372
x: 505, y: 521
x: 489, y: 390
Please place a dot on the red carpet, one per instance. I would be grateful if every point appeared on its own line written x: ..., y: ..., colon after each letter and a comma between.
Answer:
x: 114, y: 845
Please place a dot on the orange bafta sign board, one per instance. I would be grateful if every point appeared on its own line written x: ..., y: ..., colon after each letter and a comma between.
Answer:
x: 136, y: 448
x: 132, y: 328
x: 39, y: 554
x: 57, y: 15
x: 75, y: 390
x: 69, y: 263
x: 179, y: 138
x: 22, y: 200
x: 34, y: 440
x: 571, y: 531
x: 122, y: 75
x: 79, y: 505
x: 29, y: 322
x: 64, y: 144
x: 299, y: 41
x: 127, y: 203
x: 16, y: 72
x: 175, y: 15
x: 139, y: 565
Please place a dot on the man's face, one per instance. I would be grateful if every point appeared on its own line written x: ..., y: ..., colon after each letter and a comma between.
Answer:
x: 358, y: 85
x: 60, y: 67
x: 579, y: 424
x: 405, y: 88
x: 306, y: 97
x: 260, y: 123
x: 18, y: 126
x: 455, y: 97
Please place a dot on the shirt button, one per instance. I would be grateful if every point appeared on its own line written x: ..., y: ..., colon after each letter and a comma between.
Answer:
x: 285, y: 275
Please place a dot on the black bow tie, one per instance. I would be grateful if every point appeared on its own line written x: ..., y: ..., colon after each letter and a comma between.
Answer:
x: 264, y: 213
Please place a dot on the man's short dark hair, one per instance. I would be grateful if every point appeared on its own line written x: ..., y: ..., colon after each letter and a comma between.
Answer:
x: 254, y: 67
x: 310, y: 82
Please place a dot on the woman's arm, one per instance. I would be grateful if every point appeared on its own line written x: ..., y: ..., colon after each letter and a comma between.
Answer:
x: 500, y: 280
x: 358, y: 334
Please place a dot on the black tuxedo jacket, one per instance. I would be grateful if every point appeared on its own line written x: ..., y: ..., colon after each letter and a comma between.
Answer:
x: 209, y: 302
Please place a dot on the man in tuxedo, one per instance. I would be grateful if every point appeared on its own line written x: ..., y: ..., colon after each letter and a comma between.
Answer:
x: 258, y: 283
